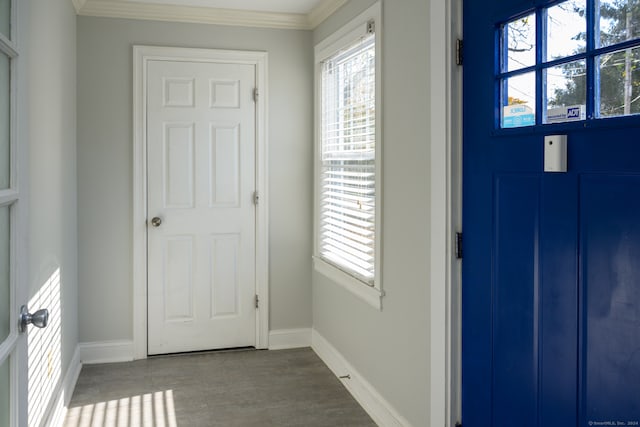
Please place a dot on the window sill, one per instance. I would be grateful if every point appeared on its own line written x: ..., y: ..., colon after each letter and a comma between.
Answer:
x: 368, y: 294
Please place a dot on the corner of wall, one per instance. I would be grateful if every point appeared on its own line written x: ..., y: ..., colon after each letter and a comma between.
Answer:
x: 378, y: 408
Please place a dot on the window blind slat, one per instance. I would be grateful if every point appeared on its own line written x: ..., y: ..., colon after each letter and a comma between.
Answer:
x: 355, y: 240
x: 356, y: 270
x: 356, y: 249
x: 345, y: 226
x: 363, y: 191
x: 350, y: 205
x: 350, y: 173
x: 351, y: 212
x: 358, y: 183
x: 347, y: 256
x: 344, y: 218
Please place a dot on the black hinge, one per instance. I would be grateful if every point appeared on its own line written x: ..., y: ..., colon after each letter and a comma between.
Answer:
x: 257, y: 301
x: 459, y: 46
x: 459, y: 245
x: 458, y: 424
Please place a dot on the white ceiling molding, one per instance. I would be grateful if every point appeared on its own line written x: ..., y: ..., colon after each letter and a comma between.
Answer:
x: 205, y: 15
x: 78, y: 4
x: 322, y: 11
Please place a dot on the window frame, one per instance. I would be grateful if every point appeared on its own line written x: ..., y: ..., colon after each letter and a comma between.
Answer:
x: 339, y: 40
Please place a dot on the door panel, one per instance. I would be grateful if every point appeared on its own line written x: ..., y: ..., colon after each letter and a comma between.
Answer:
x: 558, y: 302
x: 201, y: 178
x: 178, y: 167
x: 224, y: 149
x: 178, y: 279
x: 516, y: 291
x: 551, y: 285
x: 610, y: 240
x: 225, y: 274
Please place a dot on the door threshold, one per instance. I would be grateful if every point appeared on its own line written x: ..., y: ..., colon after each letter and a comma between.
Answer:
x: 197, y: 352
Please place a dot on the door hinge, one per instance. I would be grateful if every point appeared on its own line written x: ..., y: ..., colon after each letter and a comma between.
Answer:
x: 257, y: 301
x: 256, y: 198
x: 458, y: 245
x: 458, y: 424
x: 255, y: 94
x: 459, y: 51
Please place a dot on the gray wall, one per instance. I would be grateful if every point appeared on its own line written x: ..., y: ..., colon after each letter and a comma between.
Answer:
x: 51, y: 117
x: 105, y: 69
x: 391, y: 347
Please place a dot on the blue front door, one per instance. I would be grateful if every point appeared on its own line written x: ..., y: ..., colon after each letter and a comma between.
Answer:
x: 551, y: 268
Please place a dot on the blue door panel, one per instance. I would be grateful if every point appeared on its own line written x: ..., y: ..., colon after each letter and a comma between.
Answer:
x: 606, y: 150
x: 610, y: 248
x: 515, y: 301
x: 558, y: 346
x: 522, y: 154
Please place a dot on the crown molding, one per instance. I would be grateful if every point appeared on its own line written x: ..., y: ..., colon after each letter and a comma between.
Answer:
x: 205, y: 15
x: 322, y: 11
x: 192, y: 14
x: 78, y: 4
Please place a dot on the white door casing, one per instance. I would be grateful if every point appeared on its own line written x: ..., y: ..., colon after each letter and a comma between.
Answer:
x: 204, y: 139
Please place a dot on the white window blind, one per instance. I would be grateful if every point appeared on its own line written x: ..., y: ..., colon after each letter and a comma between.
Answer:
x: 347, y: 217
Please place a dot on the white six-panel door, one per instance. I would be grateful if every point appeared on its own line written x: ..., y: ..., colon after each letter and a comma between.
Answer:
x: 201, y: 137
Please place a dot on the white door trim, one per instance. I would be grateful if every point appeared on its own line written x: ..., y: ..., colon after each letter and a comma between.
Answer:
x: 446, y: 213
x: 141, y: 56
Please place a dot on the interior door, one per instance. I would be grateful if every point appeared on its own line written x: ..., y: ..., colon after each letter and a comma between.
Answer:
x: 551, y: 282
x: 13, y: 347
x: 201, y: 226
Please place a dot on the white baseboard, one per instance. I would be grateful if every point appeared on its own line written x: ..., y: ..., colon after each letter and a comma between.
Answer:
x: 106, y: 351
x: 289, y: 338
x: 58, y: 411
x: 367, y: 396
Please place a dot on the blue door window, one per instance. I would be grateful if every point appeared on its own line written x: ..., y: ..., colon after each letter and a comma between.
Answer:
x: 571, y: 61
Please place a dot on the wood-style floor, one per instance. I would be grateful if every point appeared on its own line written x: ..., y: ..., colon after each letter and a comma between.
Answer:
x: 234, y: 388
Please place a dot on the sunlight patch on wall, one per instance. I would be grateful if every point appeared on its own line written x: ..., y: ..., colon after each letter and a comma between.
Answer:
x: 148, y: 410
x: 45, y: 347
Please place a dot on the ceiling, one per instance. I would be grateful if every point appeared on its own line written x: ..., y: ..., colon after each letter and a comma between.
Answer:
x: 289, y: 14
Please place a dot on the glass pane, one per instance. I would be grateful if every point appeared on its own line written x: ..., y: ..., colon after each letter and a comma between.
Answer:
x: 566, y: 92
x: 566, y: 29
x: 5, y: 395
x: 5, y: 120
x: 5, y: 293
x: 619, y: 82
x: 5, y: 18
x: 619, y: 21
x: 519, y: 95
x: 519, y: 43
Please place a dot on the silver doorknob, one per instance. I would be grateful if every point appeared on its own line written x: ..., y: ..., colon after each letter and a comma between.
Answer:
x: 156, y: 221
x: 39, y: 319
